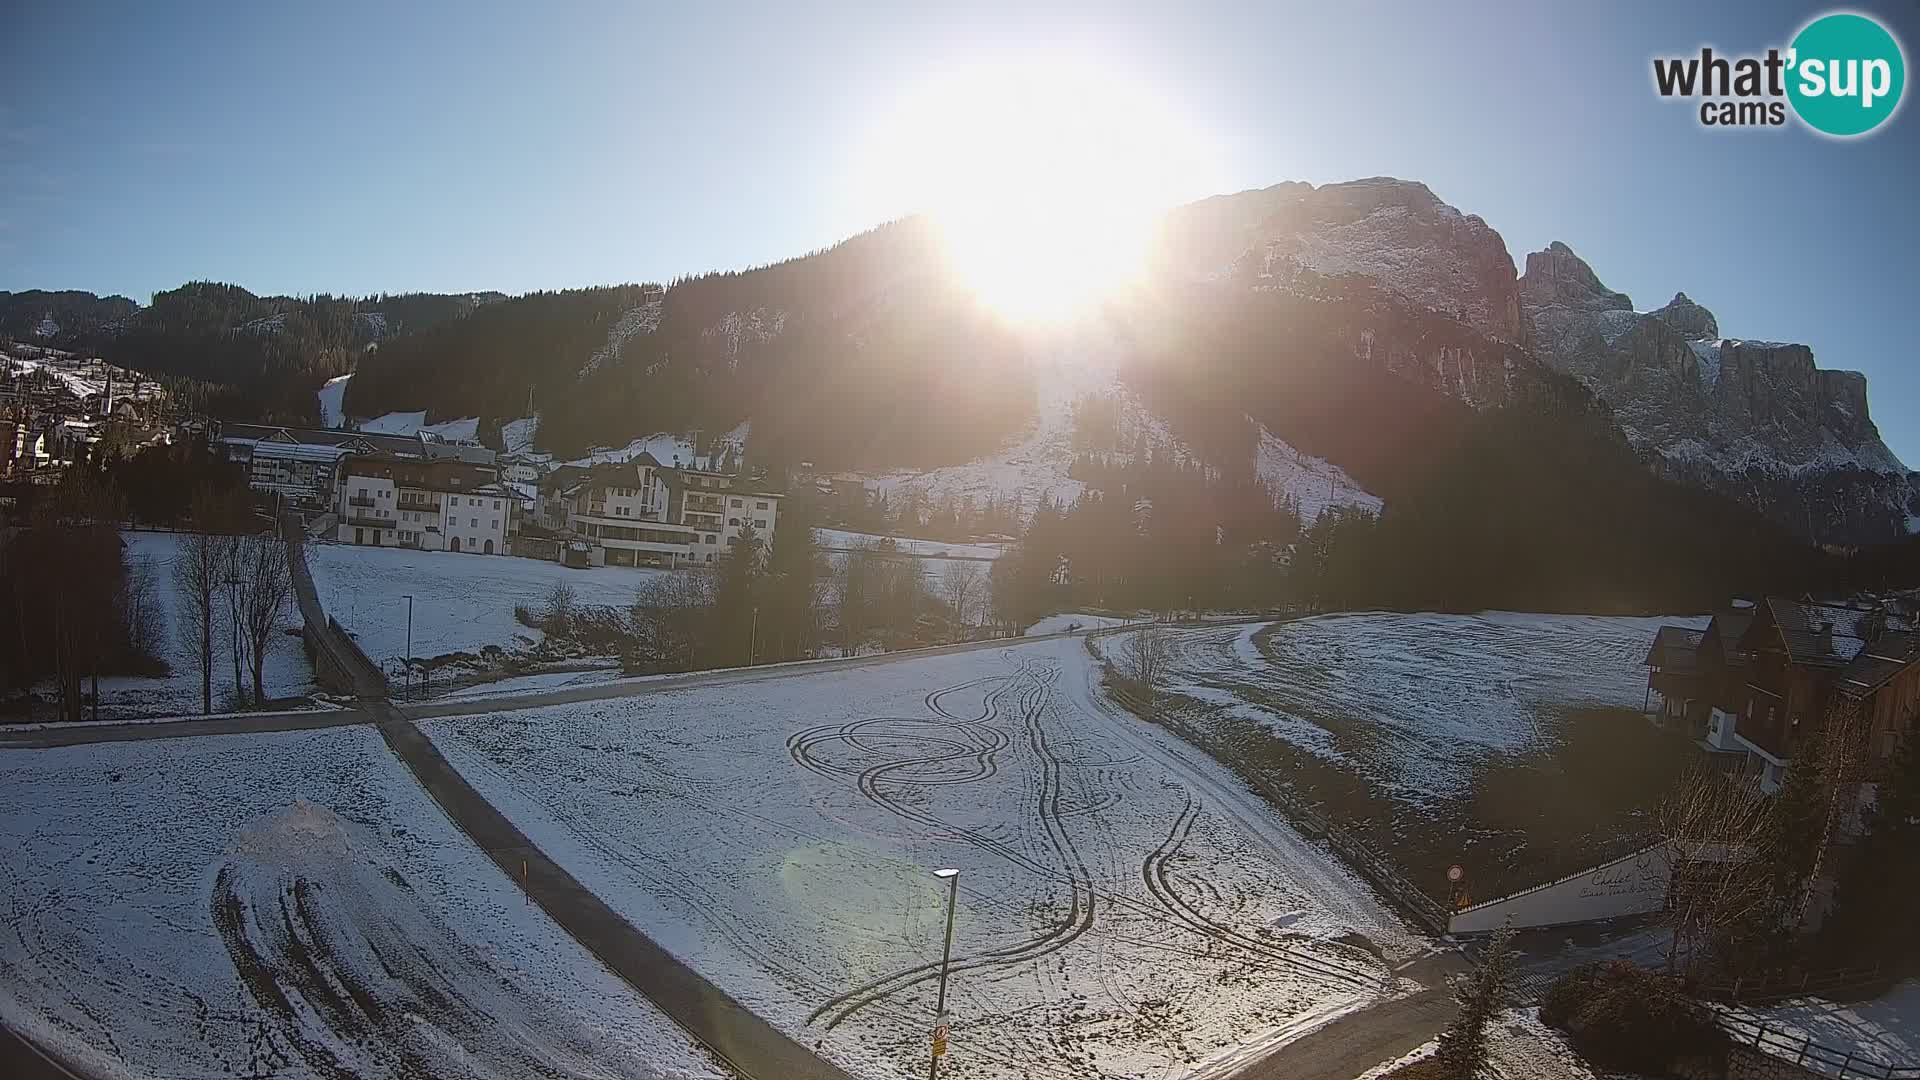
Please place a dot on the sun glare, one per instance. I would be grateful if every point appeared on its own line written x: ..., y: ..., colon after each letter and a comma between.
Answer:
x: 1045, y: 181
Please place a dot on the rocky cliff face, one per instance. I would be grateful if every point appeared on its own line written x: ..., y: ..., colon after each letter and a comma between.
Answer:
x: 1395, y: 232
x: 1756, y: 420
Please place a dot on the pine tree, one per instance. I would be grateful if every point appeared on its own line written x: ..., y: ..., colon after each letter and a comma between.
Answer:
x: 1463, y: 1046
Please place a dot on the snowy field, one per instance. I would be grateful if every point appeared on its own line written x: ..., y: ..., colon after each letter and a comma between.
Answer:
x: 1416, y: 702
x: 1511, y: 743
x: 1884, y: 1031
x: 288, y: 672
x: 288, y: 905
x: 1126, y: 909
x: 461, y: 603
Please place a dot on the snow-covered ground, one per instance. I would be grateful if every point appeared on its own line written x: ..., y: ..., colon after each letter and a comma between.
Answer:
x: 288, y: 672
x: 1055, y: 624
x: 1519, y: 1047
x: 1313, y: 483
x: 544, y: 680
x: 664, y: 448
x: 517, y: 436
x: 841, y: 538
x: 415, y: 423
x: 1125, y: 907
x: 1414, y: 702
x: 289, y: 905
x: 461, y: 603
x: 1884, y: 1031
x: 333, y: 395
x: 1033, y: 468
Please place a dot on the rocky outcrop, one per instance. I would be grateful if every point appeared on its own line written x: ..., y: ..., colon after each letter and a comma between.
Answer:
x: 1757, y: 420
x: 1394, y: 232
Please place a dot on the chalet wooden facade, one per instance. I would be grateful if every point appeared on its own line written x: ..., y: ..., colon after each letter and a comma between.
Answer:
x: 1804, y: 658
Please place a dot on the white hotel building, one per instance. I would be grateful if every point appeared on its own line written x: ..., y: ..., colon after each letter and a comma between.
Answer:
x: 643, y: 513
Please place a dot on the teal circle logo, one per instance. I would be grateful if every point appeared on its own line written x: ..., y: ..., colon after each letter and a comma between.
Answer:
x: 1845, y: 74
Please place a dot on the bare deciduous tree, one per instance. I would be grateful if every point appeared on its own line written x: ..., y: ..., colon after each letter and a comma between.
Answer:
x: 1144, y: 659
x: 562, y: 599
x: 199, y: 571
x: 140, y: 611
x: 1720, y: 837
x: 668, y: 615
x: 964, y: 587
x: 265, y: 590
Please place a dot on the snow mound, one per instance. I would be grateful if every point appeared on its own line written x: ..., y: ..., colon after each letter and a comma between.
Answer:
x: 302, y: 834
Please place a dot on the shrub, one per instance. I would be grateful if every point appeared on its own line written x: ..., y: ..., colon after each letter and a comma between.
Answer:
x: 1621, y: 1016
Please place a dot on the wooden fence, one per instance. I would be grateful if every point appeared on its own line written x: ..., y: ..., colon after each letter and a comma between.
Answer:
x: 1804, y: 1052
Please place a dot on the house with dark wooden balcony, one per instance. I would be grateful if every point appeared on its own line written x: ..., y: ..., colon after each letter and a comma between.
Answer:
x: 1801, y: 653
x: 1722, y: 662
x: 1673, y: 672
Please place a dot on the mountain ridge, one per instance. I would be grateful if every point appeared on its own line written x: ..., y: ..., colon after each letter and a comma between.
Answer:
x: 835, y: 355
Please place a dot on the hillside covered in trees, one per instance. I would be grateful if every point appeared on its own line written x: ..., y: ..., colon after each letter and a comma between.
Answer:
x: 866, y: 354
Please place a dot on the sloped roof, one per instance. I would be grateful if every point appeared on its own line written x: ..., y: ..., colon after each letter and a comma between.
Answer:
x: 1675, y: 648
x: 1730, y: 626
x: 1889, y: 654
x: 1827, y: 635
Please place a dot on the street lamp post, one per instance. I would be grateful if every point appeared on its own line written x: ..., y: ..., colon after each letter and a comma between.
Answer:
x: 952, y: 878
x: 753, y: 636
x: 409, y: 599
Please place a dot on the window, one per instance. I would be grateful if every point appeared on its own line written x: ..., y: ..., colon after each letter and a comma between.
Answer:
x: 761, y: 505
x: 759, y: 523
x: 496, y: 504
x: 736, y: 503
x: 473, y: 523
x: 494, y: 525
x: 712, y: 539
x: 709, y: 556
x: 733, y: 521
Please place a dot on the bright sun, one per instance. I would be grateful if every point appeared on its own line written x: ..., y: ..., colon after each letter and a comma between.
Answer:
x: 1046, y: 181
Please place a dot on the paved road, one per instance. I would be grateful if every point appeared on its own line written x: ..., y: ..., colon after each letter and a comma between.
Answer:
x: 567, y: 695
x: 21, y: 1059
x: 752, y: 1046
x: 238, y: 724
x: 1357, y: 1042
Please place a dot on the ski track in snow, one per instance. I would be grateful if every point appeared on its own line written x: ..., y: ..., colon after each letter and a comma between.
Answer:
x: 292, y: 905
x: 1126, y: 907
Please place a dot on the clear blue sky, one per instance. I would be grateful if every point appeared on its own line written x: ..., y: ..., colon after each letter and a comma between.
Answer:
x: 391, y: 147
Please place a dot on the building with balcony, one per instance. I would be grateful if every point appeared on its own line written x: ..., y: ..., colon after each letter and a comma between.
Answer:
x: 430, y: 505
x: 1809, y: 663
x: 304, y: 465
x: 642, y: 513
